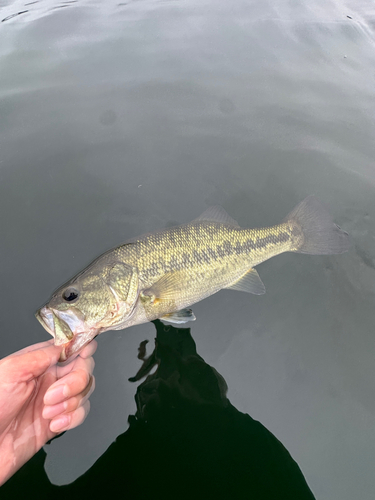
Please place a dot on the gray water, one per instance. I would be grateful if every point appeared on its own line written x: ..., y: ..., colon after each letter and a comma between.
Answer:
x: 122, y: 118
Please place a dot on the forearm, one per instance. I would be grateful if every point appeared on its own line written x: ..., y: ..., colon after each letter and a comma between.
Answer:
x: 13, y: 455
x: 7, y: 460
x: 17, y: 445
x: 30, y: 481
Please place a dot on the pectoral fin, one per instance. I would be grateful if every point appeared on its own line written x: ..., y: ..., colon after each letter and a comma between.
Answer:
x: 168, y: 288
x: 249, y: 282
x: 179, y: 317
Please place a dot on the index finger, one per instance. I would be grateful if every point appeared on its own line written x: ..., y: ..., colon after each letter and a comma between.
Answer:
x: 25, y: 366
x: 89, y: 350
x: 79, y: 362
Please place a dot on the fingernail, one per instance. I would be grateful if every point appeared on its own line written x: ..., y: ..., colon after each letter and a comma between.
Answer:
x: 60, y: 423
x: 56, y: 394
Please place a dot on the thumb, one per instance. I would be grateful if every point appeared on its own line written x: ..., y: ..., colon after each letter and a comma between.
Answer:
x: 29, y: 365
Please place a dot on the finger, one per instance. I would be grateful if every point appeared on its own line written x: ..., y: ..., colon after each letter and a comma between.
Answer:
x: 79, y: 363
x: 70, y: 420
x: 86, y: 352
x: 71, y: 384
x: 71, y: 404
x: 26, y: 366
x: 89, y: 350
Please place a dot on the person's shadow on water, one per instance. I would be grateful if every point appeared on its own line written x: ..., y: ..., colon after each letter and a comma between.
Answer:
x: 185, y: 441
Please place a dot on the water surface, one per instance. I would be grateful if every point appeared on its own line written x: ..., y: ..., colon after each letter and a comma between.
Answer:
x: 121, y: 118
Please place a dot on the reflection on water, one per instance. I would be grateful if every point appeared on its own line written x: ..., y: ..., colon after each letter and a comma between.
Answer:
x: 186, y: 440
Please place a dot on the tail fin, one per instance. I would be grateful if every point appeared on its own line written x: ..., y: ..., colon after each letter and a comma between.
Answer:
x: 320, y: 234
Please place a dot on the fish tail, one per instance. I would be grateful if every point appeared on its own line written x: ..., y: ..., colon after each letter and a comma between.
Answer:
x: 314, y: 229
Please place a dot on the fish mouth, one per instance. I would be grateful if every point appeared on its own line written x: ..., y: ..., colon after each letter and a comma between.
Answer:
x: 45, y: 318
x: 68, y: 329
x: 72, y: 349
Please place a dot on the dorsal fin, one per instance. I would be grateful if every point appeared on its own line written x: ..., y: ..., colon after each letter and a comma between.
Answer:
x: 216, y: 213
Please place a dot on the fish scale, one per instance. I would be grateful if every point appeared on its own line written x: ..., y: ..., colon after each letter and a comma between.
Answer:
x: 197, y: 247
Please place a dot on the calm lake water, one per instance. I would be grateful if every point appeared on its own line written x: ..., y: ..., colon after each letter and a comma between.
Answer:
x: 122, y: 118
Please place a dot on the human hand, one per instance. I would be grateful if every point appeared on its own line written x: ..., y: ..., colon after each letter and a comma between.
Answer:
x: 39, y: 400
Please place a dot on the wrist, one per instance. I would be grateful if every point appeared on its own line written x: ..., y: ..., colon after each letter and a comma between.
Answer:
x: 8, y: 461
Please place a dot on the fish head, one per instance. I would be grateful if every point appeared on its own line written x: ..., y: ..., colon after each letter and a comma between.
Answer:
x: 100, y: 298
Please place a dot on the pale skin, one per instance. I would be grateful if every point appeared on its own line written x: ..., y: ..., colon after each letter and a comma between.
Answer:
x: 39, y: 400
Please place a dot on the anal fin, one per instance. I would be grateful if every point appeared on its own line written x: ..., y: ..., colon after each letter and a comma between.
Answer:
x: 179, y: 317
x: 250, y: 283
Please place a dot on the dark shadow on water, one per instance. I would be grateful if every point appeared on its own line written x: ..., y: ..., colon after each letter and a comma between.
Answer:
x: 186, y: 441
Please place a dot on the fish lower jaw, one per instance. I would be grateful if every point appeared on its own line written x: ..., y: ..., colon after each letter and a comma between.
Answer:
x: 78, y: 342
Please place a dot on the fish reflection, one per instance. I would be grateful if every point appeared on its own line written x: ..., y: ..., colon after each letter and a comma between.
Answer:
x: 186, y: 439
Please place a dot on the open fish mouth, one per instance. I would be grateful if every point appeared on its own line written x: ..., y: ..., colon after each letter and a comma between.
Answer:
x: 68, y: 329
x: 45, y: 318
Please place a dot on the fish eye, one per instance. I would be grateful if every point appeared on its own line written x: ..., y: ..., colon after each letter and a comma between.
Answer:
x: 70, y: 294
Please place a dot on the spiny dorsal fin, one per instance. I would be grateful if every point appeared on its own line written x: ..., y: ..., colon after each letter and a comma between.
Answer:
x: 217, y: 213
x: 250, y: 283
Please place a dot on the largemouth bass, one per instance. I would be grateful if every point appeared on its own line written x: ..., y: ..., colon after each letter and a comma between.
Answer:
x: 161, y: 274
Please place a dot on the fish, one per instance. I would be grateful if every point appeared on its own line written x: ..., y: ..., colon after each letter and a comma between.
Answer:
x: 161, y: 274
